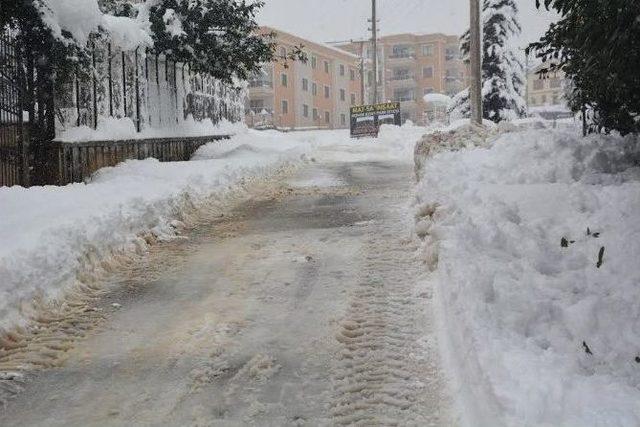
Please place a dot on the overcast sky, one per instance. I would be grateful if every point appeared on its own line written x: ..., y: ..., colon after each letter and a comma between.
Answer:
x: 336, y: 20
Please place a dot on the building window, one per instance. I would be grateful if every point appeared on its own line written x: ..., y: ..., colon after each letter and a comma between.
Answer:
x: 284, y: 80
x: 326, y: 67
x: 315, y: 114
x: 305, y: 110
x: 401, y: 95
x: 544, y: 99
x: 402, y: 51
x: 555, y: 83
x: 451, y: 53
x: 343, y: 95
x: 538, y: 84
x: 533, y: 100
x: 401, y: 74
x: 314, y: 89
x: 427, y: 72
x: 428, y: 90
x: 256, y: 105
x: 285, y: 107
x: 327, y: 92
x: 343, y: 119
x: 352, y: 74
x: 353, y: 99
x: 427, y: 50
x: 327, y: 117
x: 305, y: 85
x: 314, y: 62
x: 342, y: 69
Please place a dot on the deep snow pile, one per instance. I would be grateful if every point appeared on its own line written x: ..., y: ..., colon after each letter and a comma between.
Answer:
x: 51, y: 235
x: 536, y: 333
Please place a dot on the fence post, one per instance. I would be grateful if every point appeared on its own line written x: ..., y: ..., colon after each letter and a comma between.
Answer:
x: 175, y: 87
x: 146, y: 80
x: 95, y: 85
x: 110, y: 83
x: 77, y: 97
x: 124, y: 83
x: 137, y: 94
x: 158, y: 90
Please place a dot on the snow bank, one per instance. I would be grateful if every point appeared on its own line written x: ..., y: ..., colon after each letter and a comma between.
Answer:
x: 112, y: 128
x: 535, y: 333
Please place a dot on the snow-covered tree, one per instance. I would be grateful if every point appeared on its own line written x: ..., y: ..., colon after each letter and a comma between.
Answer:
x: 503, y: 74
x: 596, y: 43
x: 217, y: 37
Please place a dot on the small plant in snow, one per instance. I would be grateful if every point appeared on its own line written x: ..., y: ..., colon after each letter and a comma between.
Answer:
x: 600, y: 257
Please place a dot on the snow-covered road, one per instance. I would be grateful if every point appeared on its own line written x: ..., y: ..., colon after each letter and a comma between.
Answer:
x: 304, y: 306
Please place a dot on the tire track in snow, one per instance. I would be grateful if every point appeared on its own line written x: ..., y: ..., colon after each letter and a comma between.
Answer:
x: 383, y: 377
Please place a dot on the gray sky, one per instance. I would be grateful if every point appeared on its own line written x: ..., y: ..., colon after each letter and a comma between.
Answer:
x: 334, y: 20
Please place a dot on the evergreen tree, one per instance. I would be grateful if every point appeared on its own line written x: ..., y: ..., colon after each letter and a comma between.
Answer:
x: 503, y: 74
x: 597, y: 44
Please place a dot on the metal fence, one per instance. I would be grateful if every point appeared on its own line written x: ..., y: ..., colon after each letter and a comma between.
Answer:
x: 150, y: 89
x: 13, y: 132
x: 66, y: 162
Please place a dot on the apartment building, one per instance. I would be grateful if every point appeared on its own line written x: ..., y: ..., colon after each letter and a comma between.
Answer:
x: 546, y: 89
x: 316, y: 94
x: 411, y: 66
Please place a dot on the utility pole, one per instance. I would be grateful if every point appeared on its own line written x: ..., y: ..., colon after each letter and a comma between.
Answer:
x: 362, y: 70
x: 374, y: 43
x: 476, y: 63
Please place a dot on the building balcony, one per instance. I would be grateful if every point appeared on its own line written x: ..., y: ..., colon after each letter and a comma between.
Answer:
x: 260, y: 88
x: 398, y: 81
x: 401, y: 58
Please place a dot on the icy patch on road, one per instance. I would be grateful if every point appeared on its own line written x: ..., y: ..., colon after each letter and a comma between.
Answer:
x: 543, y: 330
x: 322, y: 179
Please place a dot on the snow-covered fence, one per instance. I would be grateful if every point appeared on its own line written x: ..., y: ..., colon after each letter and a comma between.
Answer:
x: 151, y: 89
x: 62, y: 163
x: 159, y: 96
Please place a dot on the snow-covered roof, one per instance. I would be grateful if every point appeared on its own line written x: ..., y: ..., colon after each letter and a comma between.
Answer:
x: 312, y: 44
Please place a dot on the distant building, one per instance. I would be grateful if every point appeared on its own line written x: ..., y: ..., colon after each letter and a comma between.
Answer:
x: 411, y: 66
x: 317, y: 94
x: 546, y: 89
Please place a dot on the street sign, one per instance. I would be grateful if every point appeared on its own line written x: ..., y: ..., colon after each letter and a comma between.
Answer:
x: 367, y: 119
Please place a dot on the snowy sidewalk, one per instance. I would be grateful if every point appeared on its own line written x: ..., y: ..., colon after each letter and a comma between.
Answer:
x: 540, y: 330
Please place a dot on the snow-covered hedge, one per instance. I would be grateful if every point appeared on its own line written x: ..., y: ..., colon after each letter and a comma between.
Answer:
x: 535, y: 330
